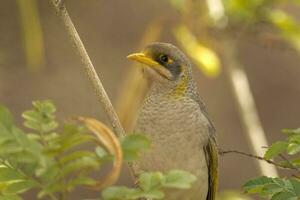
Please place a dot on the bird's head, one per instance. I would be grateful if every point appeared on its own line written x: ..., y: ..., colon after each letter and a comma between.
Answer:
x: 164, y: 62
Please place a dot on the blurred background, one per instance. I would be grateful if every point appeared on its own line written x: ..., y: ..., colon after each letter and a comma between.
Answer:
x: 258, y: 38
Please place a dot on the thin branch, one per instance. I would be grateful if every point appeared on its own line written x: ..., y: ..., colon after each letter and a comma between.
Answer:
x: 296, y: 176
x: 89, y: 67
x: 223, y: 152
x: 292, y: 166
x: 90, y: 72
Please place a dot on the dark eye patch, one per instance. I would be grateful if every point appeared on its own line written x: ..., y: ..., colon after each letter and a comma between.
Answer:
x: 175, y: 62
x: 166, y: 61
x: 174, y: 68
x: 163, y: 58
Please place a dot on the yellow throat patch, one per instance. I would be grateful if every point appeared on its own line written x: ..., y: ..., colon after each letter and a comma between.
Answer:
x: 181, y: 88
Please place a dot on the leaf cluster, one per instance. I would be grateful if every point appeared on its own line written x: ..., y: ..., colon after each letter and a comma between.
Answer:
x: 151, y: 185
x: 44, y: 158
x: 290, y: 146
x: 268, y: 13
x: 280, y: 188
x: 53, y: 160
x: 274, y: 188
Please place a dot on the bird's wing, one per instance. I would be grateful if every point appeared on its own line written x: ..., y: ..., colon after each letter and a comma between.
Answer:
x: 196, y: 97
x: 211, y: 154
x: 211, y: 151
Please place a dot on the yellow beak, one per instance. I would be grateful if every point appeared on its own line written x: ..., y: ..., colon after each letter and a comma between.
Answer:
x: 142, y: 58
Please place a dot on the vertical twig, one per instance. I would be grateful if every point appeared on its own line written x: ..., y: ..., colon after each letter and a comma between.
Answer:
x: 88, y: 67
x: 90, y: 72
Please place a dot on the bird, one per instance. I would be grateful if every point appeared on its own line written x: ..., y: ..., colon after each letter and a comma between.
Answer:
x: 176, y: 120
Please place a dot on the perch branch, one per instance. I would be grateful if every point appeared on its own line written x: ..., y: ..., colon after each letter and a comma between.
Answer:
x: 291, y: 166
x: 90, y: 72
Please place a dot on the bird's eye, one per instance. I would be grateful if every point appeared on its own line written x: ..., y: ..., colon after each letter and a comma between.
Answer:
x: 164, y: 58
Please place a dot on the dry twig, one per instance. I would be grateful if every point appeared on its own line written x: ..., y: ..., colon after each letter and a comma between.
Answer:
x: 108, y: 139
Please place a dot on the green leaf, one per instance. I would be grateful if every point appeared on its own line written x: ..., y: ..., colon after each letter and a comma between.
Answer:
x: 10, y: 197
x: 84, y: 163
x: 275, y: 149
x: 296, y: 186
x: 31, y: 115
x: 19, y: 186
x: 25, y: 157
x: 284, y: 196
x: 70, y: 137
x: 295, y: 138
x: 151, y: 180
x: 119, y: 193
x: 274, y: 188
x: 33, y: 136
x: 6, y: 118
x: 295, y: 162
x: 16, y: 146
x: 103, y: 155
x: 48, y: 170
x: 51, y: 188
x: 179, y: 179
x: 10, y: 147
x: 293, y: 148
x: 8, y: 174
x: 73, y: 156
x: 232, y: 195
x: 41, y: 118
x: 50, y: 126
x: 45, y: 106
x: 100, y: 152
x: 291, y: 131
x: 124, y: 193
x: 33, y: 125
x: 288, y: 26
x: 152, y: 194
x: 256, y: 185
x: 133, y: 145
x: 271, y: 189
x: 80, y: 180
